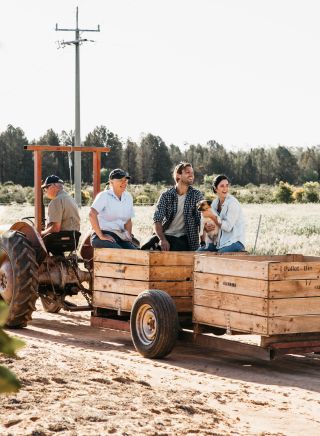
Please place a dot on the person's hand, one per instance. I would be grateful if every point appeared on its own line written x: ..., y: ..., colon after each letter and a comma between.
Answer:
x: 106, y: 238
x: 164, y: 244
x: 209, y: 227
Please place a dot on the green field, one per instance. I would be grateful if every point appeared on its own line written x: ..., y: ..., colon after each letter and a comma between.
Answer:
x: 285, y: 228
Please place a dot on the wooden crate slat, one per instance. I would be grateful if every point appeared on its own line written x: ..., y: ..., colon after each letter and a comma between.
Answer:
x: 139, y: 272
x: 294, y: 288
x: 124, y: 303
x: 236, y: 321
x: 235, y: 266
x: 294, y: 270
x: 294, y: 306
x: 117, y: 255
x: 294, y: 324
x: 134, y: 287
x: 141, y: 257
x: 231, y: 284
x: 232, y: 302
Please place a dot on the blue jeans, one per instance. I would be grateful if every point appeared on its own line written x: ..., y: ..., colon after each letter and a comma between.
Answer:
x: 96, y: 242
x: 236, y: 246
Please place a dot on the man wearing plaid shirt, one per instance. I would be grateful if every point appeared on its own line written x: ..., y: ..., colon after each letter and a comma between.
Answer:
x: 176, y: 219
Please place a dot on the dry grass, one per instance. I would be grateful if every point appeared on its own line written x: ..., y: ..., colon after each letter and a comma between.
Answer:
x: 293, y: 228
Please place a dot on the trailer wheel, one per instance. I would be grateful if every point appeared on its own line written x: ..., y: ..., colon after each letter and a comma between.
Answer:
x: 18, y: 278
x: 154, y: 324
x: 50, y: 305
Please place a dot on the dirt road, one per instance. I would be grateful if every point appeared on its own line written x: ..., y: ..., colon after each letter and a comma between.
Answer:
x: 78, y: 380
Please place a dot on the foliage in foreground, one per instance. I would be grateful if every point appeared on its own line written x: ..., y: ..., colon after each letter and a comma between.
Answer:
x: 8, y: 346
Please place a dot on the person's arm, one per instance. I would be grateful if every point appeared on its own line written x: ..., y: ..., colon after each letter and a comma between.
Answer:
x: 231, y: 217
x: 164, y: 243
x: 128, y: 227
x: 228, y: 221
x: 51, y: 228
x: 55, y: 213
x: 93, y: 217
x: 158, y: 217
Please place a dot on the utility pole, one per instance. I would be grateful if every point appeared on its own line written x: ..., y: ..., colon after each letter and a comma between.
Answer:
x: 77, y: 139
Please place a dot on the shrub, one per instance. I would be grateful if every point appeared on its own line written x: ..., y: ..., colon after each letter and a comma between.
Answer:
x: 208, y: 180
x: 209, y: 195
x: 85, y: 197
x: 311, y: 192
x: 298, y: 195
x: 283, y: 193
x: 19, y: 196
x: 5, y: 196
x: 142, y: 199
x: 8, y: 345
x: 104, y: 174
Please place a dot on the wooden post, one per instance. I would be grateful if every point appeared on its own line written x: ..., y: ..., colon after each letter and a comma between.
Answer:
x: 37, y: 188
x: 96, y: 162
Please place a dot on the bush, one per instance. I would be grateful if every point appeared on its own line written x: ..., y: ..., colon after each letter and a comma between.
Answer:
x: 298, y: 195
x: 85, y: 197
x: 151, y: 191
x: 283, y: 193
x: 311, y: 192
x: 8, y: 345
x: 142, y: 199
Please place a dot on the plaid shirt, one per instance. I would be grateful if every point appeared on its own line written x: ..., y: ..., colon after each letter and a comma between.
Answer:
x: 166, y: 210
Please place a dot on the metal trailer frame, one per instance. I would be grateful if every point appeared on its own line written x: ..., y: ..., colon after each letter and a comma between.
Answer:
x: 272, y: 347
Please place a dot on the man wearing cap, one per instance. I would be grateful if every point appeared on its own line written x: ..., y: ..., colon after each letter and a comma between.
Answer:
x: 111, y: 213
x: 63, y: 213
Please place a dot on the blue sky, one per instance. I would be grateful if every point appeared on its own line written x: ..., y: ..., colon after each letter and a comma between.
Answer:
x: 242, y: 72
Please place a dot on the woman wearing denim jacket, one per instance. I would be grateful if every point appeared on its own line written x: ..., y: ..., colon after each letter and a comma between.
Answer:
x: 227, y: 214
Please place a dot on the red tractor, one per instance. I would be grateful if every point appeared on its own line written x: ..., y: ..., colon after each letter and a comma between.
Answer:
x: 28, y: 269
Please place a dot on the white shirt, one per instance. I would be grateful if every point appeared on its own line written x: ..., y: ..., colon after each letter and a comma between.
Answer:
x: 232, y: 221
x: 113, y: 213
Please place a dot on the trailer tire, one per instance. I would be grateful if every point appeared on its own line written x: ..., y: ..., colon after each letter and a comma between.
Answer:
x: 18, y: 278
x: 154, y: 324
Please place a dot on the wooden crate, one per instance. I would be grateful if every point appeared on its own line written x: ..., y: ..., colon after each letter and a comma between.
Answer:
x: 121, y: 275
x: 265, y: 295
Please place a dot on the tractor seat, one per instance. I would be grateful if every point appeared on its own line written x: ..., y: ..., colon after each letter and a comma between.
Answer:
x: 60, y: 242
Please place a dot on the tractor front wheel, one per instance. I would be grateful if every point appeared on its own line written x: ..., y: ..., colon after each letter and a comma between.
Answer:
x: 154, y: 324
x: 18, y: 277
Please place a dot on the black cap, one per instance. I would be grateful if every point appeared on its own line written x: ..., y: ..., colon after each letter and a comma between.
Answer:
x: 50, y: 180
x: 118, y: 173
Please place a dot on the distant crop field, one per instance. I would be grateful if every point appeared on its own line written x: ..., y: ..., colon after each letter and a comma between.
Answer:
x: 285, y: 228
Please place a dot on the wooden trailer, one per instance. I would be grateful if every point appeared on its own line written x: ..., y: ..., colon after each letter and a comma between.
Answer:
x: 162, y: 296
x: 152, y: 289
x: 275, y: 297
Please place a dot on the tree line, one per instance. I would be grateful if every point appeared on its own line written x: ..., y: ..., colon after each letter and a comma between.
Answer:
x: 152, y: 160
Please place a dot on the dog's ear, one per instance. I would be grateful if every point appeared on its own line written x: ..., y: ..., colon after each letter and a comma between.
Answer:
x: 209, y: 202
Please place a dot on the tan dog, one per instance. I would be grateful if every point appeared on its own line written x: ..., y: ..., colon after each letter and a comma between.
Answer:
x: 211, y: 236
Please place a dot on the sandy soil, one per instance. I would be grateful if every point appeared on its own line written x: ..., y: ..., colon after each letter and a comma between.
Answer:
x: 80, y: 380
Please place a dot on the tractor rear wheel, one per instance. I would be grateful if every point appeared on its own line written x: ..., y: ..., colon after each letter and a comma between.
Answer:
x: 154, y: 324
x: 18, y: 277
